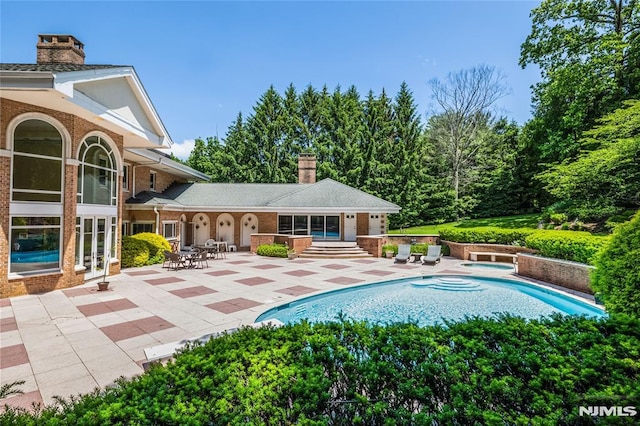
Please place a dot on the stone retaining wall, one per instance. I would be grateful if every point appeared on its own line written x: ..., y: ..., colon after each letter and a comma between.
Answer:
x: 372, y: 244
x: 572, y: 275
x: 299, y: 243
x: 406, y: 239
x: 462, y: 250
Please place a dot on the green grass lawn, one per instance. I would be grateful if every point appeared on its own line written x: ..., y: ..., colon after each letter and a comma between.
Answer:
x: 509, y: 222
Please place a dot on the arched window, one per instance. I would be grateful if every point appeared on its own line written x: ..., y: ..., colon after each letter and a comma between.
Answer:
x: 97, y: 173
x: 37, y: 162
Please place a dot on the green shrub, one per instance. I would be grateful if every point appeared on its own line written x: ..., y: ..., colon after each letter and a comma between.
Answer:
x: 568, y: 245
x: 617, y: 274
x: 272, y: 250
x: 503, y: 371
x: 558, y: 218
x: 487, y: 235
x: 134, y: 252
x: 390, y: 247
x: 157, y: 245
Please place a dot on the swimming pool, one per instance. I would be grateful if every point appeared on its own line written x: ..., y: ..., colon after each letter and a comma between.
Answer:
x: 430, y: 299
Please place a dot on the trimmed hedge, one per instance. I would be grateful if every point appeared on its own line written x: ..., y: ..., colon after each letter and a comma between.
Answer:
x: 135, y: 253
x: 487, y: 235
x: 568, y: 245
x: 617, y: 274
x: 272, y: 250
x: 577, y: 246
x: 503, y: 371
x: 142, y: 249
x: 157, y: 245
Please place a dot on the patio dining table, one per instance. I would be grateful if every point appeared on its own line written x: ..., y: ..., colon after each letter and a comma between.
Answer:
x: 214, y: 247
x: 186, y: 258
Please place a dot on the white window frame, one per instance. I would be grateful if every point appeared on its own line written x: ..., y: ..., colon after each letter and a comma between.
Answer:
x: 125, y: 177
x: 143, y: 222
x: 175, y: 230
x: 18, y: 228
x: 152, y: 180
x: 45, y: 157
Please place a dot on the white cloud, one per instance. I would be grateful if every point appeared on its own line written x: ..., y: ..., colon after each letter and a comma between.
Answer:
x: 183, y: 149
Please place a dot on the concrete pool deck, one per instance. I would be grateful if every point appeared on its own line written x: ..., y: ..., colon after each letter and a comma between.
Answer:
x: 68, y: 342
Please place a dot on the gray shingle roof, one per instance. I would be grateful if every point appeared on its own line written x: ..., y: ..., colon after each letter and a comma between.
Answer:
x: 55, y: 67
x: 324, y: 194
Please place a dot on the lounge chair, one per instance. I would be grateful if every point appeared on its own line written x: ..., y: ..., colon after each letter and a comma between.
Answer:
x: 209, y: 243
x: 434, y: 253
x: 404, y: 253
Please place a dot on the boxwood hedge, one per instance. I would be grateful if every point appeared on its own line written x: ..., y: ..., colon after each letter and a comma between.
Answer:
x: 503, y: 371
x: 569, y: 245
x: 487, y: 235
x: 145, y: 248
x: 617, y: 274
x: 272, y: 250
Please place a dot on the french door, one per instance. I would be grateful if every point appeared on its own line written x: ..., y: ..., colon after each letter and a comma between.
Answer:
x: 95, y: 245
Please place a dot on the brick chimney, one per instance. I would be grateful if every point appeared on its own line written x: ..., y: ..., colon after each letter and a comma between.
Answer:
x: 59, y: 49
x: 307, y: 168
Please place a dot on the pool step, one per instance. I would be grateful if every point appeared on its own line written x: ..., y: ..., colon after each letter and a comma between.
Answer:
x: 450, y: 284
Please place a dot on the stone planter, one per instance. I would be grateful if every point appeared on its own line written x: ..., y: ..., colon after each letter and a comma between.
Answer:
x: 103, y: 286
x: 292, y: 256
x: 389, y: 254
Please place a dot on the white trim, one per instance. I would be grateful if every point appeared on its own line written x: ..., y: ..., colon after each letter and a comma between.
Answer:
x: 153, y: 188
x: 128, y: 176
x: 15, y: 276
x: 5, y: 153
x: 262, y: 209
x: 96, y: 210
x: 34, y: 208
x: 103, y: 136
x: 71, y: 162
x: 175, y: 229
x: 64, y: 82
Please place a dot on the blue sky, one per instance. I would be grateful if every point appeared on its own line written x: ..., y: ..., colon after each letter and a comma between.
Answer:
x: 203, y: 62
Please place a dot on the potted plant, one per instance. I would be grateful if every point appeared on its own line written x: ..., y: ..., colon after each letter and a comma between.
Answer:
x: 104, y: 284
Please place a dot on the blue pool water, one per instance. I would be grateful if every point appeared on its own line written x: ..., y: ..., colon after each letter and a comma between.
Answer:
x: 40, y: 256
x: 429, y: 299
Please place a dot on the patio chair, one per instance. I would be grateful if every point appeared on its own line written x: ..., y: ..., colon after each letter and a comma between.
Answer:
x: 404, y: 253
x: 222, y: 250
x: 176, y: 261
x: 201, y: 259
x: 434, y: 253
x: 167, y: 258
x: 210, y: 242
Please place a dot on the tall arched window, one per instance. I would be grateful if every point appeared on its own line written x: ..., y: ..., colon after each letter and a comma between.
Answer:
x: 37, y: 162
x: 36, y: 178
x: 97, y: 173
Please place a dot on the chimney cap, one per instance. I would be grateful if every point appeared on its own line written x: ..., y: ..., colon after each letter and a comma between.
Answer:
x: 59, y: 49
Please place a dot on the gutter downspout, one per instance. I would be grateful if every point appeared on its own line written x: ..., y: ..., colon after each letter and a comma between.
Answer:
x: 155, y: 210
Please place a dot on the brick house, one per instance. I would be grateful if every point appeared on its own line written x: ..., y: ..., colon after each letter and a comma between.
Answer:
x: 81, y: 165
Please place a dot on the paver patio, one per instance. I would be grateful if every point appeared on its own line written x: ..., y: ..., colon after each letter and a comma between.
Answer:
x: 70, y: 341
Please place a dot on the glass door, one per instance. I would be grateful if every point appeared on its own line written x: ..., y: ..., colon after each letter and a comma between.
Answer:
x: 95, y: 247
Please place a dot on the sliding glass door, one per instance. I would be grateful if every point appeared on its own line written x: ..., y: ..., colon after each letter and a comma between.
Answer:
x: 321, y: 227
